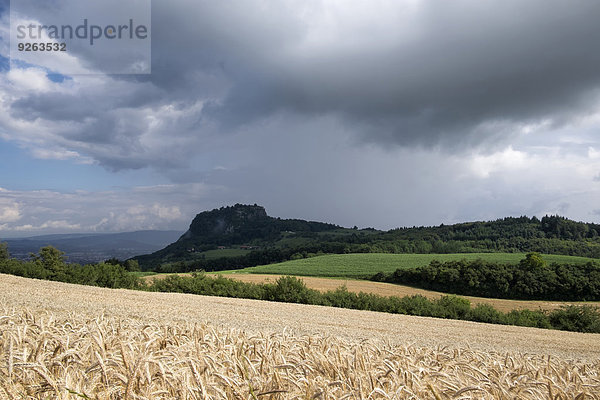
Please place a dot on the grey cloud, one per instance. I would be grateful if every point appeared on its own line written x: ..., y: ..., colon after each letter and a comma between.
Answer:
x: 466, y: 69
x: 90, y: 99
x: 563, y: 208
x: 451, y: 76
x: 370, y: 114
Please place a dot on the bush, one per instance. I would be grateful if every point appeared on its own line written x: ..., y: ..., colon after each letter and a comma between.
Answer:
x: 103, y: 275
x: 417, y: 305
x: 291, y: 290
x: 576, y: 318
x: 535, y: 319
x: 453, y: 307
x: 340, y: 297
x: 486, y: 313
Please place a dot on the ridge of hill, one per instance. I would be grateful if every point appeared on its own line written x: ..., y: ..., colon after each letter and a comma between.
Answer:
x: 245, y: 235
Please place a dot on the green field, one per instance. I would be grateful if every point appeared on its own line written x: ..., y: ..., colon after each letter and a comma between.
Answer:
x: 141, y: 274
x: 368, y: 264
x: 211, y: 254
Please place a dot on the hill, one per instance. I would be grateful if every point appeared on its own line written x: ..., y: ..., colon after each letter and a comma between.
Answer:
x: 245, y: 235
x: 237, y: 231
x: 90, y: 248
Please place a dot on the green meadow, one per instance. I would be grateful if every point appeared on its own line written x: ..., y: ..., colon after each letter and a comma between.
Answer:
x: 367, y: 264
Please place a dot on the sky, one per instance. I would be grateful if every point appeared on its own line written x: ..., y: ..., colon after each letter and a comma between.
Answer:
x: 370, y: 113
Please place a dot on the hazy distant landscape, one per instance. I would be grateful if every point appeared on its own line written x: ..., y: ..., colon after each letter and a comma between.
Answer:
x: 93, y: 248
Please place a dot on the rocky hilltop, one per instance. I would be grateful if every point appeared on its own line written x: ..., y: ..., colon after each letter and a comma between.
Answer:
x: 227, y: 223
x: 233, y: 227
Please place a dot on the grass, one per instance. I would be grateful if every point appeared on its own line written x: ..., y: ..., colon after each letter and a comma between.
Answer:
x: 212, y: 254
x: 141, y: 274
x: 359, y: 266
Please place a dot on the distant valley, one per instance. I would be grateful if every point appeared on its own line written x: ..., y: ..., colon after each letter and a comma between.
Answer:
x: 92, y: 247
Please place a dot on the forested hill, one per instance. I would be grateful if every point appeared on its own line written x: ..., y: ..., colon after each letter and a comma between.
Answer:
x: 244, y: 235
x: 551, y: 235
x: 244, y: 223
x: 239, y: 227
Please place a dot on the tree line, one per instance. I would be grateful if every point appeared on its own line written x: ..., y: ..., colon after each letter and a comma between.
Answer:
x: 532, y: 279
x: 50, y: 264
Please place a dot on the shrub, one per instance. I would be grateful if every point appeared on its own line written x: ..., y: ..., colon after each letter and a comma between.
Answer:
x: 576, y: 318
x: 453, y: 307
x: 486, y: 313
x: 291, y: 290
x: 417, y: 305
x: 339, y: 298
x: 535, y: 319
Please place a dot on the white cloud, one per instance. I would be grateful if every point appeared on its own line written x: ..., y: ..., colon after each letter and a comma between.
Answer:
x: 101, y: 211
x: 9, y: 211
x: 166, y: 212
x: 507, y: 160
x: 21, y: 228
x: 54, y: 225
x: 30, y: 80
x: 156, y: 210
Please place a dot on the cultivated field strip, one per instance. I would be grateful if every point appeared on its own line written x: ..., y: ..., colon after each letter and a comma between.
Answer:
x: 68, y: 342
x: 360, y: 265
x: 110, y: 358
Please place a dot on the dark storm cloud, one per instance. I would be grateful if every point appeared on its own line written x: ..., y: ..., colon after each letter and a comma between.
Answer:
x: 470, y: 67
x: 462, y: 71
x: 449, y: 75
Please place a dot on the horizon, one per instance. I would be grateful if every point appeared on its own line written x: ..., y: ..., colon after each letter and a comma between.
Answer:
x: 387, y: 114
x: 92, y: 233
x: 86, y: 234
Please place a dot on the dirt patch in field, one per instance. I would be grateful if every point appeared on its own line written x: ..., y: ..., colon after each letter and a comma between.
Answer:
x: 388, y: 289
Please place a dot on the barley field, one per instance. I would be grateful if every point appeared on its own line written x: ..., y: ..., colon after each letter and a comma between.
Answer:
x: 63, y: 341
